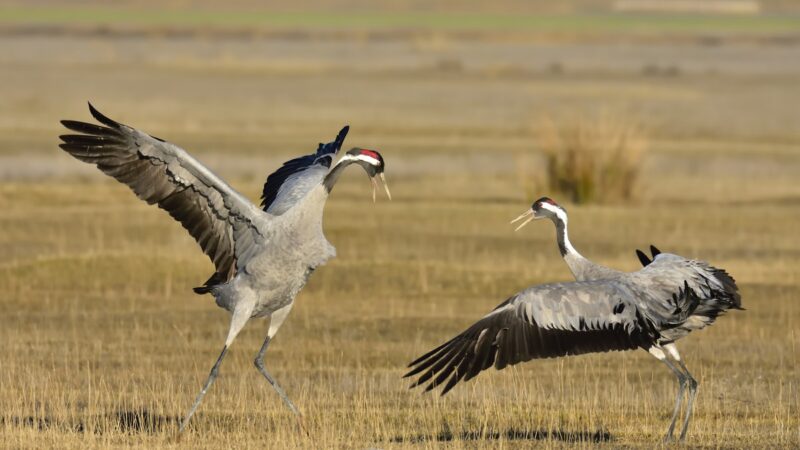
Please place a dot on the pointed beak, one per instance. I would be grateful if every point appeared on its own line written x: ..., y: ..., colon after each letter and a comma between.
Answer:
x: 375, y: 187
x: 386, y: 186
x: 530, y: 216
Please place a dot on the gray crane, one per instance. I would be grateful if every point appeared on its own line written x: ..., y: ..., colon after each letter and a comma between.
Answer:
x: 263, y: 257
x: 605, y: 310
x: 582, y: 269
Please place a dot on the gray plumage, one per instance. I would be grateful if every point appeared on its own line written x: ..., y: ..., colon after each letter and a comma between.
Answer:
x: 262, y: 259
x: 606, y: 310
x: 650, y: 306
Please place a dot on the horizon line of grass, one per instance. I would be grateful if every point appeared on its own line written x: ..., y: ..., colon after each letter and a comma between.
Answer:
x: 572, y: 23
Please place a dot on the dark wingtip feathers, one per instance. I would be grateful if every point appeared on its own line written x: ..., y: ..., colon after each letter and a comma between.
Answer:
x: 454, y: 379
x: 323, y: 155
x: 101, y: 118
x: 643, y: 258
x: 413, y: 371
x: 90, y: 128
x: 83, y: 127
x: 340, y: 137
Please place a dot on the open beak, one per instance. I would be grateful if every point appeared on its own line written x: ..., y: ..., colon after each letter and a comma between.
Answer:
x: 530, y: 216
x: 386, y: 186
x: 375, y: 187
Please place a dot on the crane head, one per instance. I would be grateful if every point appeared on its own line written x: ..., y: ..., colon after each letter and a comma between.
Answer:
x: 373, y: 165
x: 542, y: 208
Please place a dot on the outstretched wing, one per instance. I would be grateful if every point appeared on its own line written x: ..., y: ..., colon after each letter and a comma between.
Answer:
x: 220, y: 219
x: 541, y: 322
x: 296, y: 177
x: 665, y: 300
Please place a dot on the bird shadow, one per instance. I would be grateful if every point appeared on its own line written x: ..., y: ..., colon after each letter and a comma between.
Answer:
x: 143, y: 421
x: 41, y: 423
x: 38, y: 423
x: 125, y: 421
x: 510, y: 434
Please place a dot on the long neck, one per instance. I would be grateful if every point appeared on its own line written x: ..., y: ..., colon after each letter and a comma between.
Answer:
x: 308, y: 215
x: 333, y: 175
x: 577, y: 264
x: 582, y: 269
x: 564, y: 245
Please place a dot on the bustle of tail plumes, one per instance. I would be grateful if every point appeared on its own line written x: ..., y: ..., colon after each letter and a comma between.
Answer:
x: 730, y: 292
x: 724, y: 296
x: 699, y: 306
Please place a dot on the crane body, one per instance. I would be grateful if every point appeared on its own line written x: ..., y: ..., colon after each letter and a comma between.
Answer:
x: 262, y: 256
x: 603, y: 310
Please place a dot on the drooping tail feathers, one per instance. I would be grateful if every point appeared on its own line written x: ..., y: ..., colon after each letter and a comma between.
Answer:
x: 724, y: 295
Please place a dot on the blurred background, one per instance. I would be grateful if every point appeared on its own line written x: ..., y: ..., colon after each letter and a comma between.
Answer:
x: 674, y: 123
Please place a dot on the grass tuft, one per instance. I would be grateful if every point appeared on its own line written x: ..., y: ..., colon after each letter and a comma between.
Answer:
x: 595, y: 159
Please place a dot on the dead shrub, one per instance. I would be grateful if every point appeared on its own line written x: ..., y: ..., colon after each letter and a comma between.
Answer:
x: 594, y: 159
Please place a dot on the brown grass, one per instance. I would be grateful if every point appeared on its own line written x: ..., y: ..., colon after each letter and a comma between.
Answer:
x: 593, y: 158
x: 104, y: 345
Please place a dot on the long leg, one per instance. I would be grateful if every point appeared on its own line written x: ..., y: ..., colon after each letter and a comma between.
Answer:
x: 259, y: 362
x: 692, y: 394
x: 659, y: 354
x: 690, y: 381
x: 275, y: 323
x: 239, y: 318
x: 211, y: 377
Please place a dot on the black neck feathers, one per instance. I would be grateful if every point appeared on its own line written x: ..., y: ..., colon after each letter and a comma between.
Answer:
x: 333, y: 176
x: 561, y: 234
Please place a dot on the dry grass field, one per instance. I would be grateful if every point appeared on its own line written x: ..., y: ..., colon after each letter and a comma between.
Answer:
x: 105, y: 345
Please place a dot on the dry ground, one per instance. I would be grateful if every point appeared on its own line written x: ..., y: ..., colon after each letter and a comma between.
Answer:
x: 103, y: 343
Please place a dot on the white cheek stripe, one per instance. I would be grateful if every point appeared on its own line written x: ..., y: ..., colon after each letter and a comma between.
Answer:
x: 555, y: 210
x: 561, y: 215
x: 549, y: 207
x: 369, y: 160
